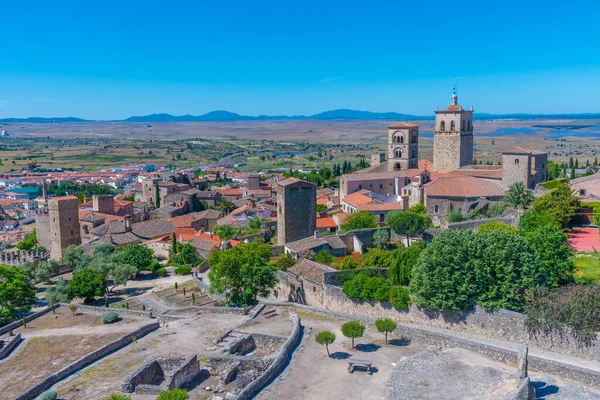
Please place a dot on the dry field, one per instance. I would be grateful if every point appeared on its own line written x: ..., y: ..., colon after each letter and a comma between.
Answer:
x: 52, y: 342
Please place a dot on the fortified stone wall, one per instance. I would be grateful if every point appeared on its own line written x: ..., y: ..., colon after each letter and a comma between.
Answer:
x: 501, y: 324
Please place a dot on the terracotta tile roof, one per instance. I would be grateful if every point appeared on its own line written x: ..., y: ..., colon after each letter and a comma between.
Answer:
x: 309, y: 243
x: 339, y: 218
x: 322, y: 201
x: 326, y: 222
x: 463, y: 187
x: 310, y: 271
x: 380, y: 207
x: 107, y: 217
x: 401, y: 125
x: 153, y: 228
x: 63, y: 198
x: 359, y: 197
x: 453, y: 107
x: 230, y: 191
x: 481, y: 171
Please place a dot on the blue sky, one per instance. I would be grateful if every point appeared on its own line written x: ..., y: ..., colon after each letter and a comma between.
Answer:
x: 113, y: 59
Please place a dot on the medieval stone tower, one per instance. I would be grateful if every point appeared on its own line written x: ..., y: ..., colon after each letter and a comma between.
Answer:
x: 57, y: 226
x: 453, y: 139
x: 296, y: 210
x: 403, y: 146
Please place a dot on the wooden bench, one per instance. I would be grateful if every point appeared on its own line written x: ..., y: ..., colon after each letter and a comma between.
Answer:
x: 360, y: 363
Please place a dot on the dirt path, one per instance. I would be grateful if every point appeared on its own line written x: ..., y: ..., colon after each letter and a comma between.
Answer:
x: 82, y: 330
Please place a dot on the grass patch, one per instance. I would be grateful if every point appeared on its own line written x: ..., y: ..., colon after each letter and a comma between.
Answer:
x: 588, y: 267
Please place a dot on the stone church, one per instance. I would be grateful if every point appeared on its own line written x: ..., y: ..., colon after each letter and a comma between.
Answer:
x: 451, y: 182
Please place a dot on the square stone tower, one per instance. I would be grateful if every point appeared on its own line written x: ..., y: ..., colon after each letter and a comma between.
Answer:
x: 296, y: 210
x: 63, y: 213
x: 453, y: 139
x: 253, y: 181
x: 403, y: 146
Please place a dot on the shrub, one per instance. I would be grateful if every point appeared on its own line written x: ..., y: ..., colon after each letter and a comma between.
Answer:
x: 399, y: 298
x: 348, y: 263
x: 183, y: 270
x: 352, y: 330
x: 48, y: 395
x: 455, y: 216
x: 378, y: 258
x: 109, y: 317
x: 326, y: 338
x: 324, y: 257
x: 118, y: 397
x: 161, y: 272
x: 576, y: 307
x: 175, y: 394
x: 399, y: 272
x: 495, y: 226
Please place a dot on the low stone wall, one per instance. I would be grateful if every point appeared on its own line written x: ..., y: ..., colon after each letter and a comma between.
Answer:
x: 10, y: 345
x: 267, y: 341
x: 123, y: 312
x: 205, y: 288
x: 219, y: 364
x: 174, y: 372
x: 185, y: 373
x: 86, y: 360
x: 210, y: 310
x: 202, y: 267
x: 278, y: 363
x: 14, y: 325
x: 500, y: 324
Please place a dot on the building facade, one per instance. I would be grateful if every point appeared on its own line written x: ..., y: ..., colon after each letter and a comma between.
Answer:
x: 403, y: 146
x: 57, y: 227
x: 453, y: 138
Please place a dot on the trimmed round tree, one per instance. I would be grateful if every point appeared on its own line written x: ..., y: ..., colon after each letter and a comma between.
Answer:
x: 352, y: 330
x: 325, y: 338
x: 406, y: 223
x: 386, y: 325
x: 87, y: 284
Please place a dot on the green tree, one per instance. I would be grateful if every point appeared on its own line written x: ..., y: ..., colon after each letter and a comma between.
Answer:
x: 284, y: 261
x: 460, y: 268
x: 75, y: 257
x: 224, y: 232
x: 550, y: 243
x: 104, y: 249
x: 321, y: 208
x: 378, y: 258
x: 45, y: 270
x: 353, y: 330
x: 519, y: 196
x: 87, y: 283
x: 242, y: 273
x: 531, y: 221
x: 348, y: 263
x: 418, y: 209
x: 325, y: 338
x: 406, y: 223
x: 455, y: 216
x: 157, y: 195
x: 324, y: 257
x: 225, y: 205
x: 359, y: 220
x: 386, y: 325
x: 173, y: 244
x: 399, y: 297
x: 399, y: 272
x: 381, y: 239
x: 561, y: 203
x: 17, y: 294
x: 187, y: 255
x: 59, y: 293
x: 136, y: 255
x: 495, y: 226
x: 29, y: 242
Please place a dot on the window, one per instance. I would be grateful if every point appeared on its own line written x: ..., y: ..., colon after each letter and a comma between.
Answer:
x: 464, y: 126
x: 443, y: 125
x: 381, y: 186
x: 401, y: 139
x: 359, y: 187
x: 582, y: 192
x: 314, y: 289
x: 452, y: 125
x: 451, y: 207
x: 468, y: 125
x: 381, y: 218
x: 516, y: 160
x: 436, y: 209
x: 397, y: 167
x: 398, y: 153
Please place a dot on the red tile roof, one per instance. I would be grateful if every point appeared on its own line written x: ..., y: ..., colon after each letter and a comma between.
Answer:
x: 463, y: 187
x: 326, y: 222
x: 401, y: 125
x: 453, y: 107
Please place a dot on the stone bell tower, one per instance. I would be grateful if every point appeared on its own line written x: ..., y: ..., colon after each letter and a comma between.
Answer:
x: 453, y: 139
x: 403, y: 146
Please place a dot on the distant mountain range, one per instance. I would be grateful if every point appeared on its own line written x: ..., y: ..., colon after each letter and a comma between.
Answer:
x: 341, y: 114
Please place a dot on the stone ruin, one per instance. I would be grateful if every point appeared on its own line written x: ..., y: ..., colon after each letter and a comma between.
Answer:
x: 162, y: 374
x: 524, y: 390
x: 19, y: 257
x: 245, y: 356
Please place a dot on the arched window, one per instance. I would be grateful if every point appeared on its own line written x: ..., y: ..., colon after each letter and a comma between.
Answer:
x: 451, y: 207
x: 452, y: 125
x: 398, y: 153
x: 401, y: 139
x: 443, y: 125
x: 414, y: 137
x: 516, y: 160
x: 397, y: 167
x: 464, y: 126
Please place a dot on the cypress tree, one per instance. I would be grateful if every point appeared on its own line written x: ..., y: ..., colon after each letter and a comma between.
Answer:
x: 157, y: 203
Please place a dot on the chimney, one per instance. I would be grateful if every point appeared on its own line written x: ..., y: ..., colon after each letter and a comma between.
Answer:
x: 127, y: 223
